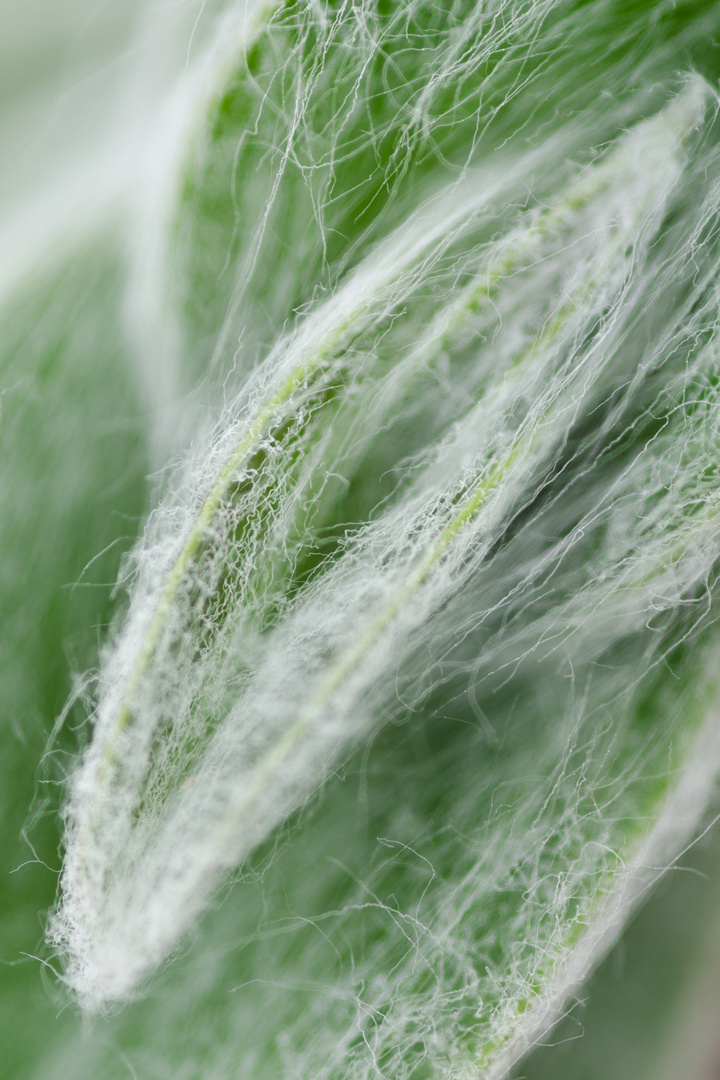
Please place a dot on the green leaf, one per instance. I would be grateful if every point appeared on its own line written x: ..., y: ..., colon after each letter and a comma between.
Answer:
x: 325, y: 125
x: 517, y: 597
x: 420, y: 635
x: 71, y: 491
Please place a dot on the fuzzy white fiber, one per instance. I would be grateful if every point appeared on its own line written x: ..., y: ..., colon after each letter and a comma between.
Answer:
x: 420, y: 633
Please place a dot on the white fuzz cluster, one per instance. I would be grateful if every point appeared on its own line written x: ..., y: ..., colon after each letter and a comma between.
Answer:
x: 454, y: 519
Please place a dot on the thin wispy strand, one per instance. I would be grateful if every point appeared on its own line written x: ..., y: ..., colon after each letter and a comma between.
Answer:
x: 419, y: 634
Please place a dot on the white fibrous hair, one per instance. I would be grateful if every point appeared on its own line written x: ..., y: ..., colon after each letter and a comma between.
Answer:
x: 423, y: 619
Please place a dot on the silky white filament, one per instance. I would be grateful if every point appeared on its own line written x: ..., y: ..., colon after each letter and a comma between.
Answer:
x: 416, y: 671
x: 223, y: 704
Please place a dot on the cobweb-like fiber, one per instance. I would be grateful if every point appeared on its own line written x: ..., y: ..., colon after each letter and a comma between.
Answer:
x: 434, y: 586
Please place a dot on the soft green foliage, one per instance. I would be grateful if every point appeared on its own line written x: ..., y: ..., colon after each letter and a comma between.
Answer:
x: 71, y: 491
x: 419, y: 637
x: 339, y: 119
x: 648, y: 1013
